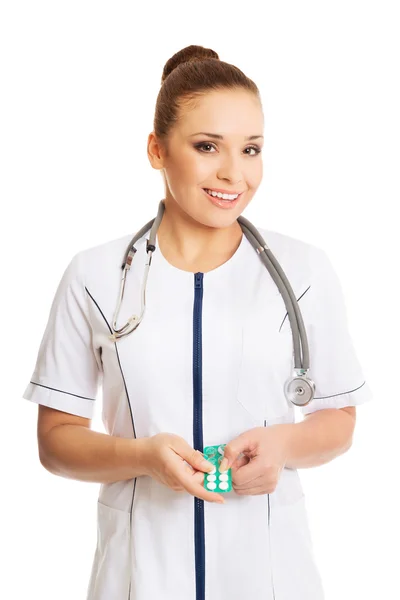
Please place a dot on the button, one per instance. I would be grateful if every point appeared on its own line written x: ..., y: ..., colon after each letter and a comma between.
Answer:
x: 224, y: 485
x: 211, y: 485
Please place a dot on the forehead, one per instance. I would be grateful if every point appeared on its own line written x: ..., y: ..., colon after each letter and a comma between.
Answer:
x: 228, y: 112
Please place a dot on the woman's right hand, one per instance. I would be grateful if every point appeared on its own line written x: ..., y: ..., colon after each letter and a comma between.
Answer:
x: 169, y: 459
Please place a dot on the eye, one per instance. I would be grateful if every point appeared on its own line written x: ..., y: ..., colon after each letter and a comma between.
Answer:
x: 256, y: 148
x: 205, y: 144
x: 202, y: 145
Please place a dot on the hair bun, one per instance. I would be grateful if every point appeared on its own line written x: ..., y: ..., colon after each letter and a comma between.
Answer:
x: 190, y: 53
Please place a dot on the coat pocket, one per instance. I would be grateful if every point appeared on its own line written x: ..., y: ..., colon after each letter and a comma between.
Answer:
x: 111, y: 570
x: 266, y: 363
x: 294, y: 570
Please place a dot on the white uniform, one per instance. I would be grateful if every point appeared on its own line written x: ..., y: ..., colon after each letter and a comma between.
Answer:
x: 208, y: 362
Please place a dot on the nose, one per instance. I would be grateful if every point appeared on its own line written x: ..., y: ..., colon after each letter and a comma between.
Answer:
x: 230, y: 169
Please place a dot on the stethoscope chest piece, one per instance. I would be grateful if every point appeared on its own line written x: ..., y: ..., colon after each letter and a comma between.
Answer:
x: 299, y: 390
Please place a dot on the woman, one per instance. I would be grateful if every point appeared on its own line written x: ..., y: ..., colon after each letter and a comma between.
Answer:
x: 206, y: 366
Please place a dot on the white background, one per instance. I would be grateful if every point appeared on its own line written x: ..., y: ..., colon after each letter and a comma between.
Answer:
x: 79, y: 83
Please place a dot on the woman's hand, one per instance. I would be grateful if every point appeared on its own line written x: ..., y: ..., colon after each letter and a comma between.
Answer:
x: 257, y: 458
x: 169, y: 459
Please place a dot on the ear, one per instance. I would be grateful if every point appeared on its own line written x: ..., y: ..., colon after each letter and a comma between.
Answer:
x: 155, y: 152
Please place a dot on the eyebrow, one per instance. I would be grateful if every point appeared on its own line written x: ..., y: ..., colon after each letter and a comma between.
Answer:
x: 221, y: 137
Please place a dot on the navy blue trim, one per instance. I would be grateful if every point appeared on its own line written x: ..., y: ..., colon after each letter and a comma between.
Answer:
x: 299, y: 298
x: 130, y: 410
x: 341, y: 394
x: 62, y: 391
x: 199, y: 535
x: 119, y: 362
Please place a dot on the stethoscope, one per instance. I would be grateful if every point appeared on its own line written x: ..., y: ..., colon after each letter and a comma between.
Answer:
x: 299, y: 388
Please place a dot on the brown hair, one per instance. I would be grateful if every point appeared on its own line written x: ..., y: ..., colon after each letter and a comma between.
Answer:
x: 188, y: 75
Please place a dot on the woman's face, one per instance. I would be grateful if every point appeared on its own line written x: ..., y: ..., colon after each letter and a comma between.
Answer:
x: 196, y: 161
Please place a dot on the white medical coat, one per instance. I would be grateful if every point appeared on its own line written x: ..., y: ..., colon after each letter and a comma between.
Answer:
x: 222, y: 350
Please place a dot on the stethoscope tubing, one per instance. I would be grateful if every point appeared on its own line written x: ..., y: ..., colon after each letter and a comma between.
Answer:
x: 299, y: 335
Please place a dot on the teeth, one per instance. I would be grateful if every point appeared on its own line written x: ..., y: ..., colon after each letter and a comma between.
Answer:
x: 222, y: 196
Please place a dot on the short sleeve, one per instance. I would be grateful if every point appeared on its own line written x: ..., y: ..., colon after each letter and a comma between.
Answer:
x: 334, y: 365
x: 68, y: 369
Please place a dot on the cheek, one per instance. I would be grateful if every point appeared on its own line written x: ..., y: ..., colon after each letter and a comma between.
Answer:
x: 198, y: 174
x: 184, y: 169
x: 180, y: 179
x: 256, y: 174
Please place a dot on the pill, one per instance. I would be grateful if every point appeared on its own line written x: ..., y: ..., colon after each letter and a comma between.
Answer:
x: 223, y: 485
x: 211, y: 477
x: 211, y: 485
x: 210, y: 453
x: 213, y: 471
x: 221, y: 449
x: 223, y: 477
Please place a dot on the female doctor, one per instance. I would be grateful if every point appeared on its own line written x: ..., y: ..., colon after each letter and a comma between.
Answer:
x: 206, y: 365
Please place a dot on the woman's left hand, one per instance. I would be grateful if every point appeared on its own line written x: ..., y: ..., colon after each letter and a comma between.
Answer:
x: 257, y: 458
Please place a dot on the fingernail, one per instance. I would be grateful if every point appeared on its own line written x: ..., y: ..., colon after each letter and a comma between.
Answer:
x: 223, y: 465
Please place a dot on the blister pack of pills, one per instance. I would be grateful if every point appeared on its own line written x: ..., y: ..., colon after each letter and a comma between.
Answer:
x: 216, y: 480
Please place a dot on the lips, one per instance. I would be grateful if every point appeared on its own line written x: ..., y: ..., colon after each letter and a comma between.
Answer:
x: 228, y: 204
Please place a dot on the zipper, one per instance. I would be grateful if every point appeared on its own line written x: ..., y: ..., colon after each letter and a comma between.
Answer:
x: 269, y: 537
x: 199, y: 539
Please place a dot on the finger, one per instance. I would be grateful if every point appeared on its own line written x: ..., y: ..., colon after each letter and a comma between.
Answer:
x: 192, y: 481
x: 249, y: 472
x: 192, y: 473
x: 189, y: 469
x: 198, y: 477
x: 196, y: 488
x: 239, y: 463
x: 193, y: 457
x: 242, y: 443
x: 253, y: 491
x: 258, y: 481
x: 183, y: 465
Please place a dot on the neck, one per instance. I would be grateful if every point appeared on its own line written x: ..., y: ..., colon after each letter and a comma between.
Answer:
x: 188, y: 241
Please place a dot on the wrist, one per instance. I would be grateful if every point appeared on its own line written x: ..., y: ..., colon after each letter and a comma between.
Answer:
x: 141, y: 453
x: 289, y: 433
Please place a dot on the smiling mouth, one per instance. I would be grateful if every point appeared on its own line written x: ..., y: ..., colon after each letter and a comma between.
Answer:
x: 227, y: 204
x: 237, y: 194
